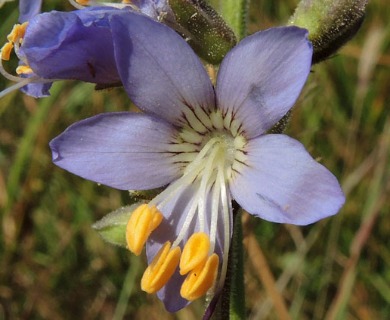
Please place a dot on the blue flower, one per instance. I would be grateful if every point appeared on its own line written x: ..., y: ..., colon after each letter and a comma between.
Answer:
x: 67, y: 45
x: 207, y: 145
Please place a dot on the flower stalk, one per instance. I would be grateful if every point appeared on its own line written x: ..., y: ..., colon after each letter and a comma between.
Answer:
x: 235, y: 13
x: 233, y: 294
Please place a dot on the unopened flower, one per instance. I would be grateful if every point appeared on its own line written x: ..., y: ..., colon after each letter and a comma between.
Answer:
x: 208, y: 145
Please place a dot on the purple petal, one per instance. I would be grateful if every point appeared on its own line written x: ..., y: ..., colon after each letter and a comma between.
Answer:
x: 28, y: 9
x: 261, y: 78
x: 159, y: 71
x: 123, y: 150
x: 154, y: 8
x: 72, y: 45
x: 37, y: 89
x: 283, y: 183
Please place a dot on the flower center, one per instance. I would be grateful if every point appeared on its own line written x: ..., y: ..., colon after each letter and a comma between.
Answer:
x: 25, y: 74
x: 209, y: 151
x: 15, y: 39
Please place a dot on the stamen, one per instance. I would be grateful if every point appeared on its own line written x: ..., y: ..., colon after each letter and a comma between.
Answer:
x: 17, y: 32
x: 75, y: 4
x: 190, y: 173
x: 161, y: 269
x: 6, y: 51
x: 83, y: 2
x: 24, y: 70
x: 211, y: 144
x: 205, y: 185
x: 6, y: 74
x: 15, y: 37
x: 199, y: 199
x: 200, y: 280
x: 214, y: 215
x: 195, y: 252
x: 226, y: 225
x: 16, y: 86
x: 190, y: 215
x: 142, y: 222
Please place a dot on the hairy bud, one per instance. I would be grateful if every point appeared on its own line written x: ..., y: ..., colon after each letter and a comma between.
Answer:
x: 205, y: 31
x: 331, y: 23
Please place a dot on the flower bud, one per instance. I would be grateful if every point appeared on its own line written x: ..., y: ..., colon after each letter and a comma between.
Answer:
x: 331, y: 23
x: 205, y: 31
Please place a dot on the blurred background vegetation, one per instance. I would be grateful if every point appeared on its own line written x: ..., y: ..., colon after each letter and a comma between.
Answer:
x: 54, y: 266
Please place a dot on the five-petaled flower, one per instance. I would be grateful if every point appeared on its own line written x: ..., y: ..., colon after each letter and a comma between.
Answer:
x: 208, y: 145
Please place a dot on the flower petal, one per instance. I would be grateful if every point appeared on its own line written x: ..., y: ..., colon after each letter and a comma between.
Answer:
x: 123, y: 150
x: 154, y: 8
x: 28, y: 9
x: 37, y: 89
x: 72, y: 45
x: 283, y: 183
x: 160, y: 72
x: 261, y: 78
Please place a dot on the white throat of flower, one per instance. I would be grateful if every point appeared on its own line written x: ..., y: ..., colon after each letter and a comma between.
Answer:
x: 210, y: 150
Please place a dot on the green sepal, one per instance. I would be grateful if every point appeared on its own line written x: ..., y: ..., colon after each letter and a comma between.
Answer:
x: 112, y: 227
x: 331, y: 23
x: 281, y: 125
x: 143, y: 195
x: 205, y: 31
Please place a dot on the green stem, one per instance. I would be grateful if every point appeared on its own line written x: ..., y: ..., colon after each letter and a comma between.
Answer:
x: 129, y: 285
x: 232, y: 304
x: 235, y: 12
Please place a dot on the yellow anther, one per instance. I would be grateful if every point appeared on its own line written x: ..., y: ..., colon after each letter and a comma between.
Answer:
x: 200, y: 280
x: 6, y: 51
x: 195, y: 252
x: 161, y: 269
x: 142, y: 222
x: 83, y: 2
x: 126, y: 1
x: 17, y: 32
x: 24, y: 70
